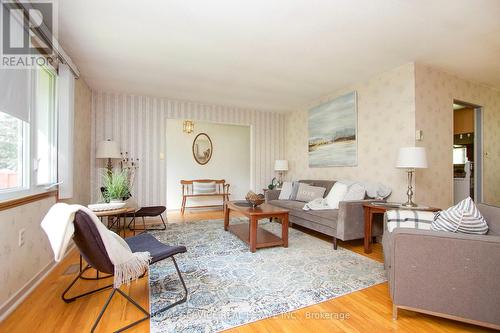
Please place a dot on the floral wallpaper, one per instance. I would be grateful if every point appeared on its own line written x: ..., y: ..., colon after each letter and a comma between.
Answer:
x: 435, y: 92
x: 19, y: 265
x: 386, y: 122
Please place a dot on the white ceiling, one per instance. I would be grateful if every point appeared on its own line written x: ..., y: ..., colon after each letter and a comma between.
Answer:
x: 272, y: 54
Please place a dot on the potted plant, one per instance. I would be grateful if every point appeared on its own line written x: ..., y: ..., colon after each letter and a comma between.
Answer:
x: 116, y: 186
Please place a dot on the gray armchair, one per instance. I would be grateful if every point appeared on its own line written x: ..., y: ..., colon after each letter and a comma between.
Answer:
x: 451, y: 275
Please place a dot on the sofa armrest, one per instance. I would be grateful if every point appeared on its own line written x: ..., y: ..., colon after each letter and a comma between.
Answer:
x: 437, y: 271
x: 271, y: 195
x: 351, y: 219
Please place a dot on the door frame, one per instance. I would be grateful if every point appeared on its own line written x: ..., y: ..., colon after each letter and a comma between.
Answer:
x: 478, y: 147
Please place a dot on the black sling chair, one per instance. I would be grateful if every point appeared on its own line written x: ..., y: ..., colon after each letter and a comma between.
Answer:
x: 89, y: 242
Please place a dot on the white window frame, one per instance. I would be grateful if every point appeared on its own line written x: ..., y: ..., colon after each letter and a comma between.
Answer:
x: 29, y: 177
x: 53, y: 135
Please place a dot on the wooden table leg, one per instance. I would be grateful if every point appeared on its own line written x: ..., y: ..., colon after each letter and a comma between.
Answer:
x: 226, y: 217
x: 368, y: 230
x: 284, y: 230
x: 253, y: 234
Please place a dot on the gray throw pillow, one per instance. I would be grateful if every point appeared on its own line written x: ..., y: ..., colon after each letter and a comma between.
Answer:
x: 355, y: 192
x: 295, y: 190
x: 307, y: 193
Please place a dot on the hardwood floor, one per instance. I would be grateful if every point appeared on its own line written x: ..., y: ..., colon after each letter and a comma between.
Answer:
x: 368, y: 310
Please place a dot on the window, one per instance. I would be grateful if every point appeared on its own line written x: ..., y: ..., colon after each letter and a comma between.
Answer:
x: 13, y: 153
x: 28, y: 139
x: 45, y: 136
x: 459, y: 155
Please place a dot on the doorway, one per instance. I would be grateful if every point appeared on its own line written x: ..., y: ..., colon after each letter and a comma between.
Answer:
x: 467, y: 151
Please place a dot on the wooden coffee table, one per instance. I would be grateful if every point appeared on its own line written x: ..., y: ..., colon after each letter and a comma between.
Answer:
x: 251, y: 234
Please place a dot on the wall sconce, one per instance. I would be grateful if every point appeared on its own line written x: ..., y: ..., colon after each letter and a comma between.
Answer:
x: 188, y: 126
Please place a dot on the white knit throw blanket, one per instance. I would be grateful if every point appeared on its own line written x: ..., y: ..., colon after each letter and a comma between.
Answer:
x: 58, y: 225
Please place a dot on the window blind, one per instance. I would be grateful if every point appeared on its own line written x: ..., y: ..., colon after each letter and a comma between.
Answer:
x: 15, y: 92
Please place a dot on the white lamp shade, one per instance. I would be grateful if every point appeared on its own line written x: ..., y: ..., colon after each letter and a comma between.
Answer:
x: 281, y: 165
x: 108, y: 149
x: 412, y: 158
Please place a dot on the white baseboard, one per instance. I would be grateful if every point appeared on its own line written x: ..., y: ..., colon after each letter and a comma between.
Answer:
x: 13, y: 302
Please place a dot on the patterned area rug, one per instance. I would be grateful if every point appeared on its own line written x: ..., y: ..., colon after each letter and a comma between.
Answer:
x: 230, y: 286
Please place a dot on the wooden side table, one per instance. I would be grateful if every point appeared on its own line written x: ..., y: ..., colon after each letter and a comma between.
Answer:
x: 372, y: 209
x: 117, y: 214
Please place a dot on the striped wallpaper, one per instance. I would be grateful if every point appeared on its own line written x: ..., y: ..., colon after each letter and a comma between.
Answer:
x: 138, y: 123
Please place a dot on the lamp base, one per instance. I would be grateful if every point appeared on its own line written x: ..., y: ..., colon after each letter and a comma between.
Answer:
x: 409, y: 192
x: 109, y: 166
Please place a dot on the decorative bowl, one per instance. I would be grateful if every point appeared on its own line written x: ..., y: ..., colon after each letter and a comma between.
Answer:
x: 254, y: 199
x: 99, y: 207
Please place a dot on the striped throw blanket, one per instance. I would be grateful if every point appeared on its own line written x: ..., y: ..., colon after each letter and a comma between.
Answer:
x: 204, y: 188
x: 464, y: 217
x: 409, y: 219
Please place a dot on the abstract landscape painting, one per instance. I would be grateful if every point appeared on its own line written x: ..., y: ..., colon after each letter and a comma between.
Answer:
x: 332, y: 133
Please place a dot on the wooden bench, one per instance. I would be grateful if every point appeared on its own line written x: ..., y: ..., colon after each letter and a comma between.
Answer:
x: 221, y: 190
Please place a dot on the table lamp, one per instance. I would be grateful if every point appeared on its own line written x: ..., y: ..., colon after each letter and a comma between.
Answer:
x: 281, y: 166
x: 110, y: 150
x: 411, y: 158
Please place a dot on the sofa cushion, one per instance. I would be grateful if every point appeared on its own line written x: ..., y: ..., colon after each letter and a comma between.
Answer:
x: 204, y: 188
x: 286, y: 191
x: 308, y: 193
x: 337, y: 194
x: 295, y: 190
x: 288, y: 204
x: 327, y: 217
x: 327, y: 184
x: 355, y: 192
x: 463, y: 217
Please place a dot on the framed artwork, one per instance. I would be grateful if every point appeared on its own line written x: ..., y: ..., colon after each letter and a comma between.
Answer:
x: 202, y: 148
x: 333, y: 132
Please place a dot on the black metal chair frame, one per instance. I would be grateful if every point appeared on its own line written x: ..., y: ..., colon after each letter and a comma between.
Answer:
x: 146, y: 316
x: 144, y: 224
x: 80, y: 276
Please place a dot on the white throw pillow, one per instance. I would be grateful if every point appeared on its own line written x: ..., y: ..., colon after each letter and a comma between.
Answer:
x: 336, y: 194
x: 355, y: 192
x: 286, y: 191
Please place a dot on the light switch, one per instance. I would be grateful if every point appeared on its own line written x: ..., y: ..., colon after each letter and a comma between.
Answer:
x: 418, y: 135
x: 162, y: 156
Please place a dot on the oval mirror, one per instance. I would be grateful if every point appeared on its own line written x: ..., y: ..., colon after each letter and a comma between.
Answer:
x: 202, y: 148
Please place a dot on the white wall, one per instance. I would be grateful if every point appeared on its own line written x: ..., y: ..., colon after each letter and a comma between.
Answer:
x: 230, y: 160
x: 138, y: 124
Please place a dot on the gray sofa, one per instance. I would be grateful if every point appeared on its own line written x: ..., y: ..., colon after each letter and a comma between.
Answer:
x: 451, y: 275
x: 345, y: 223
